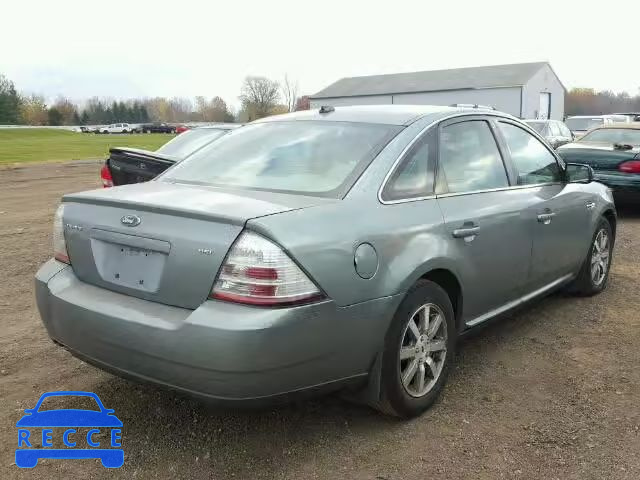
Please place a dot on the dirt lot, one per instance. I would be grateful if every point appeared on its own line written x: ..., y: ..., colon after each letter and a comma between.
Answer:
x: 551, y: 392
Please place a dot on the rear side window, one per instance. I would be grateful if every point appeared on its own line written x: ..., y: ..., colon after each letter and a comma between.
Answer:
x: 565, y: 131
x: 412, y: 178
x: 470, y: 159
x: 555, y: 131
x: 533, y: 162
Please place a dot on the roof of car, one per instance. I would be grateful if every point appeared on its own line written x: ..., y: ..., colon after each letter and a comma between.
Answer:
x: 221, y: 126
x: 627, y: 125
x: 383, y: 114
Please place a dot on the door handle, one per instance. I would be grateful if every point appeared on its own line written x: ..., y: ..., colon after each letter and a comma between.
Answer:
x: 545, y: 218
x: 591, y: 205
x: 466, y: 232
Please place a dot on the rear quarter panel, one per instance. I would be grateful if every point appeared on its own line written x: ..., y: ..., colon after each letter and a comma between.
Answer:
x: 408, y: 239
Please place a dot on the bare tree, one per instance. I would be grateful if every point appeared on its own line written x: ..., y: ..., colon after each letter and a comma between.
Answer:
x: 289, y: 91
x: 67, y: 110
x: 259, y: 95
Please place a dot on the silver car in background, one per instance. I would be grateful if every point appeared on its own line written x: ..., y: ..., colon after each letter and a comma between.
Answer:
x: 340, y: 248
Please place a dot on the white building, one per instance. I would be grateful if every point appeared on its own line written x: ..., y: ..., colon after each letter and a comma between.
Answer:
x: 525, y: 90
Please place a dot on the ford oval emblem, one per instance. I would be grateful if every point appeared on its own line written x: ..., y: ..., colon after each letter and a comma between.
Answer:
x: 130, y: 220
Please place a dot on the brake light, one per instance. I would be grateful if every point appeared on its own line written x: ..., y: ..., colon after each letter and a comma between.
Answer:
x: 59, y: 244
x: 632, y: 166
x: 105, y: 176
x: 258, y: 272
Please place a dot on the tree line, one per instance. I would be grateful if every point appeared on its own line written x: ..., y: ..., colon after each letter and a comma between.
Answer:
x: 586, y: 101
x: 259, y: 96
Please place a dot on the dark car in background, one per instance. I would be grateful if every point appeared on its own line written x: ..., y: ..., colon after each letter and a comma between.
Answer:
x: 133, y: 165
x: 613, y: 151
x: 157, y: 127
x: 554, y: 132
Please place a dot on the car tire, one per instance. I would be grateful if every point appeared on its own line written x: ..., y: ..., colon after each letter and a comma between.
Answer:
x: 413, y: 347
x: 599, y: 256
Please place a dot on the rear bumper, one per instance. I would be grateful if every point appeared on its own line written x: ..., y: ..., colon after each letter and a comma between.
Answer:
x: 221, y: 351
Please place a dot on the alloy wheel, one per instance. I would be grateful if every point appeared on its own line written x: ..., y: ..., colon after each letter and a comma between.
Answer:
x: 600, y: 257
x: 423, y: 350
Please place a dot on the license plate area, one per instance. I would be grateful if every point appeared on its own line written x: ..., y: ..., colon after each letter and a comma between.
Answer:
x: 128, y: 266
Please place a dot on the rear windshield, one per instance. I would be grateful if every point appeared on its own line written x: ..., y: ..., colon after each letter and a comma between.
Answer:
x: 538, y: 127
x: 583, y: 123
x: 188, y: 142
x: 613, y: 135
x: 308, y: 157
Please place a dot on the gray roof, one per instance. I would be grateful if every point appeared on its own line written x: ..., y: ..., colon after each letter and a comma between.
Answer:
x: 383, y: 114
x: 436, y: 80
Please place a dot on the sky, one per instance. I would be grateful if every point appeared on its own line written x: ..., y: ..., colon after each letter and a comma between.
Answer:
x: 139, y: 48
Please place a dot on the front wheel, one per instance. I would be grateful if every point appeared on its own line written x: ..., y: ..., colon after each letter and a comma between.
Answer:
x: 594, y: 273
x: 419, y: 347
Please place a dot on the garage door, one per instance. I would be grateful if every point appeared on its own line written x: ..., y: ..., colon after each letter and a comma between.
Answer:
x: 545, y: 105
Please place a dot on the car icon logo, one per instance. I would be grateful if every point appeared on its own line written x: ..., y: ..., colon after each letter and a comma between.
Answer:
x: 66, y: 431
x: 130, y: 220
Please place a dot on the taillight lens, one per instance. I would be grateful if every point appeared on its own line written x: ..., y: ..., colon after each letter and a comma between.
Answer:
x: 59, y: 244
x: 257, y: 272
x: 105, y: 176
x: 632, y: 166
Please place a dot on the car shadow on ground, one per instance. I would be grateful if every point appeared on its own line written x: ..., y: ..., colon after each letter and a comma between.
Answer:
x: 628, y: 211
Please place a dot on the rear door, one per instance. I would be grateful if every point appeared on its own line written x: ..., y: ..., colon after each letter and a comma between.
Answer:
x: 489, y: 236
x: 559, y: 212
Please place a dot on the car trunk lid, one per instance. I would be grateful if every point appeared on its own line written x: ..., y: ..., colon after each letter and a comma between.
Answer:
x: 159, y: 241
x: 600, y: 156
x: 132, y: 165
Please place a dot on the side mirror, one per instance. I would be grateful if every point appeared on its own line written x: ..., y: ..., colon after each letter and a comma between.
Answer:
x: 579, y: 173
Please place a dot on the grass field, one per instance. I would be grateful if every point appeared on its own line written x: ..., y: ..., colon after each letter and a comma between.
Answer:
x: 47, y: 144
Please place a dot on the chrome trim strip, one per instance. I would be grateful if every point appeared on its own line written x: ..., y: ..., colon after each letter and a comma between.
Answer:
x: 519, y: 301
x: 448, y: 117
x: 501, y: 189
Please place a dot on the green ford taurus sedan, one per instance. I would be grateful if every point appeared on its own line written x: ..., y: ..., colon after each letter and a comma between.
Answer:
x: 340, y: 248
x: 613, y: 151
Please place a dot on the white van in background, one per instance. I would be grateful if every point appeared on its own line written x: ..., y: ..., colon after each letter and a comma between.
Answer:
x: 581, y: 124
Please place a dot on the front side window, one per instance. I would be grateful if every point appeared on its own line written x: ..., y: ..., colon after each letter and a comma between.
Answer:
x: 308, y: 157
x: 412, y: 179
x: 534, y: 163
x: 469, y: 158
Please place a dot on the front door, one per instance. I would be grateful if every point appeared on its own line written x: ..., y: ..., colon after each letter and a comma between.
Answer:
x: 545, y: 106
x: 489, y: 237
x: 558, y: 212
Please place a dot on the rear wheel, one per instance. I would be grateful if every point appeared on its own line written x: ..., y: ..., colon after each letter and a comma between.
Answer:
x: 594, y: 273
x: 418, y: 349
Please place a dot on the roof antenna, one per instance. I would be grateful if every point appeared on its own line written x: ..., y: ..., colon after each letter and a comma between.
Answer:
x: 327, y: 109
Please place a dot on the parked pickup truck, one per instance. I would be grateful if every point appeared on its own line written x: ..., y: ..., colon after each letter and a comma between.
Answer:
x: 134, y: 165
x: 117, y: 128
x: 157, y: 127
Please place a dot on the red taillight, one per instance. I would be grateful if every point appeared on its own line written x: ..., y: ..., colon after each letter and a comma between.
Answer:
x: 632, y: 166
x: 105, y: 176
x: 257, y: 272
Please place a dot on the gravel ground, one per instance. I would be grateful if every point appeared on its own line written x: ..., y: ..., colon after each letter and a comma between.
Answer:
x: 551, y: 392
